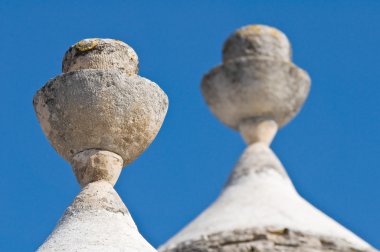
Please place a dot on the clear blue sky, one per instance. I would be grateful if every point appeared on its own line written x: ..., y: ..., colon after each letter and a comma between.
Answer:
x: 331, y: 150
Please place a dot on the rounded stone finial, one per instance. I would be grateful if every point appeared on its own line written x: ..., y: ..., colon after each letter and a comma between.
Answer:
x: 99, y: 115
x: 259, y: 41
x: 96, y: 53
x: 256, y: 86
x: 93, y: 106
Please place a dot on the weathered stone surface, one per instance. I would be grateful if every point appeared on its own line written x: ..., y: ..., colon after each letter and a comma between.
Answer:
x: 251, y: 88
x: 97, y: 220
x: 259, y: 41
x: 266, y: 240
x: 95, y: 165
x: 100, y: 109
x: 256, y: 80
x: 103, y: 54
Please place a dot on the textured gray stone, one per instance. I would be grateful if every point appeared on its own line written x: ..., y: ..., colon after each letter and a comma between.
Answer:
x: 251, y: 88
x: 256, y: 80
x: 100, y: 109
x: 266, y: 240
x: 101, y: 54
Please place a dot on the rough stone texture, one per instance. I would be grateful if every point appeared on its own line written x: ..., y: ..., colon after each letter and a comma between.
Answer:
x: 260, y: 196
x: 251, y: 88
x: 266, y: 240
x: 259, y: 41
x: 94, y: 165
x: 256, y: 80
x: 101, y: 54
x: 97, y: 220
x: 100, y: 109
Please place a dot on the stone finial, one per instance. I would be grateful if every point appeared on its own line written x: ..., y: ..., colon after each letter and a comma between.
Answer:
x: 101, y: 54
x: 99, y: 115
x: 256, y: 89
x: 100, y: 104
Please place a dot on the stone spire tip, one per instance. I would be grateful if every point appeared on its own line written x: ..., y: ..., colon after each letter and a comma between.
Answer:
x: 258, y: 41
x: 96, y: 53
x: 257, y: 88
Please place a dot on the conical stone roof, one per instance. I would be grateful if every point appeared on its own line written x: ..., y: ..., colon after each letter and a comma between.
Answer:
x: 97, y: 220
x: 260, y: 210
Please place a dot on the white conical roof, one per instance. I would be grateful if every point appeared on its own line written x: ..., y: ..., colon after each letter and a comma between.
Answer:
x: 97, y: 220
x: 260, y: 198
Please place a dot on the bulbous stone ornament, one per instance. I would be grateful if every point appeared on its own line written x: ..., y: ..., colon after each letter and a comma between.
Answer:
x: 256, y: 82
x: 106, y: 108
x: 99, y: 115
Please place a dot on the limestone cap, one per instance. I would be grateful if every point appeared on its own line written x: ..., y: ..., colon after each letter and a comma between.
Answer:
x: 96, y: 53
x: 259, y: 41
x: 256, y: 80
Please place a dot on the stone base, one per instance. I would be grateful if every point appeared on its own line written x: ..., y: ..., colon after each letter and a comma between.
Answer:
x: 265, y: 240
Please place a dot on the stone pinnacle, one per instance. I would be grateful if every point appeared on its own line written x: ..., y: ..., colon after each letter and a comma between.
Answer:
x: 99, y: 104
x: 99, y: 115
x: 257, y: 88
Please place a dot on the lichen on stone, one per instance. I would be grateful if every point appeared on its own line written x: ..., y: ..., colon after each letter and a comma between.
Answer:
x: 86, y: 45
